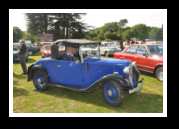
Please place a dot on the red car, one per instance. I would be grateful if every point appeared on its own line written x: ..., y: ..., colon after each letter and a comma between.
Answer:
x: 45, y: 51
x: 148, y: 57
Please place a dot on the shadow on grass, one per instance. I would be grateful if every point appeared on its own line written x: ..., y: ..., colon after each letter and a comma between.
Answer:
x: 16, y: 62
x: 134, y: 103
x: 19, y: 91
x: 148, y: 74
x: 19, y: 76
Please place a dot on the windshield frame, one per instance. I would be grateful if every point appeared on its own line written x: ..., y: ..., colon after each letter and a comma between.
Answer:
x: 97, y: 49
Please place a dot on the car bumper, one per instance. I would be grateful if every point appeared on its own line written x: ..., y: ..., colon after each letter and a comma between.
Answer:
x: 138, y: 88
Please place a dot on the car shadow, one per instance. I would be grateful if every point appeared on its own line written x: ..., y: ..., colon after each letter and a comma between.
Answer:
x: 148, y: 74
x: 96, y: 97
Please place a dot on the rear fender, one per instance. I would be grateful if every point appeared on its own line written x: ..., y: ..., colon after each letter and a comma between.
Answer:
x: 32, y: 69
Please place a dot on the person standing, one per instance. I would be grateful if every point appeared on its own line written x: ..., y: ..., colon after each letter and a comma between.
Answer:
x: 22, y: 56
x: 55, y: 51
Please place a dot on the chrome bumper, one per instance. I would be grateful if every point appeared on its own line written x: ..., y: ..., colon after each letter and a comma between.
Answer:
x: 138, y: 88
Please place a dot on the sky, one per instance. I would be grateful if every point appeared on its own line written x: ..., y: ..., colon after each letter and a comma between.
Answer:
x: 98, y: 17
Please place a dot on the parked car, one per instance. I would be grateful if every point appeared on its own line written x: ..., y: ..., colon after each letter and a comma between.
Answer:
x: 45, y: 51
x: 32, y: 48
x: 148, y: 57
x: 16, y: 49
x: 108, y: 49
x: 84, y: 71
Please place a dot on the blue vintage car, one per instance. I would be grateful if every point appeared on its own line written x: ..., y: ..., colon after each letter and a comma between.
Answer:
x: 84, y: 70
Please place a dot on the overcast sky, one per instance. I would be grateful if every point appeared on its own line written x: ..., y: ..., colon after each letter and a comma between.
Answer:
x: 97, y: 18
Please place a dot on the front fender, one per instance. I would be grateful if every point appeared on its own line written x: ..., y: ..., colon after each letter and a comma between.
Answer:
x: 33, y: 68
x: 114, y: 76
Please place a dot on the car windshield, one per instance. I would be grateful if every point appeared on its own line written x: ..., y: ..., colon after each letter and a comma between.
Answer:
x: 155, y: 49
x: 91, y: 51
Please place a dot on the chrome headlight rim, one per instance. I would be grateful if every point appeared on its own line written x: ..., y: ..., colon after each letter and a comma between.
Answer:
x: 126, y: 69
x: 129, y: 71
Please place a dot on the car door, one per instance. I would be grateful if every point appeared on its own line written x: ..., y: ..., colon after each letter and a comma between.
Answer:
x: 143, y: 59
x: 66, y: 72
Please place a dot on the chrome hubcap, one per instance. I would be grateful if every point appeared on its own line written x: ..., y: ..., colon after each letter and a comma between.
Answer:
x: 109, y: 93
x: 160, y: 75
x: 40, y: 82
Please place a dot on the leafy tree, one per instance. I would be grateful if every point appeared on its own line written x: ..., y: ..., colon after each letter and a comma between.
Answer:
x: 62, y: 25
x: 31, y: 37
x: 121, y: 25
x: 127, y: 34
x: 17, y: 34
x: 156, y: 33
x: 37, y: 22
x: 111, y: 36
x: 67, y: 25
x: 139, y: 31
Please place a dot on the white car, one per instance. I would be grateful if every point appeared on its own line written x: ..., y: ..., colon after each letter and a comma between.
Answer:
x: 108, y: 48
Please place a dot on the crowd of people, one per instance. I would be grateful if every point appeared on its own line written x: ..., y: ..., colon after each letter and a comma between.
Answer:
x: 131, y: 42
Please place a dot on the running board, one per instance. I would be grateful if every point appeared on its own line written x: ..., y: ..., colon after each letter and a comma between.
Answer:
x: 69, y: 88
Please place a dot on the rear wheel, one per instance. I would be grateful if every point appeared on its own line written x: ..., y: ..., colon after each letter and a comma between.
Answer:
x: 159, y: 73
x: 113, y: 93
x: 40, y: 80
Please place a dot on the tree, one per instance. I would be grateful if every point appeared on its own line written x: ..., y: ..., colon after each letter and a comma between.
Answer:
x: 37, y: 22
x: 127, y: 34
x: 140, y: 31
x: 31, y: 37
x: 121, y: 25
x: 67, y: 25
x: 156, y: 33
x: 111, y: 36
x: 17, y: 34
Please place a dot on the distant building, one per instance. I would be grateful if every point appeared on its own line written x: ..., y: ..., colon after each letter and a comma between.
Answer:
x: 45, y: 37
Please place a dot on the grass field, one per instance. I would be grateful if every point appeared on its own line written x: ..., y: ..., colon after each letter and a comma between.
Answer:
x: 27, y: 99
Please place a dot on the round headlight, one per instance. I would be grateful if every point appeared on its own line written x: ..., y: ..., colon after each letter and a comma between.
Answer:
x: 126, y: 70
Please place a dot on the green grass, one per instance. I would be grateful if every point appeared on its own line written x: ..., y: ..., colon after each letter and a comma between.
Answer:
x: 27, y: 99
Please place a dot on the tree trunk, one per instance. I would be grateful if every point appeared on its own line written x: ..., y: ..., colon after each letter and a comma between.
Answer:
x: 45, y: 22
x: 121, y: 44
x: 67, y: 29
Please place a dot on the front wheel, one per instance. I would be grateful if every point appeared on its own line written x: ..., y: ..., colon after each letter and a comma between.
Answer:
x: 40, y: 80
x: 113, y: 93
x: 159, y: 73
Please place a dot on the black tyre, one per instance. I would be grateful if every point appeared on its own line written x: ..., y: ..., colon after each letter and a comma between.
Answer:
x: 159, y: 73
x: 40, y: 80
x: 113, y: 93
